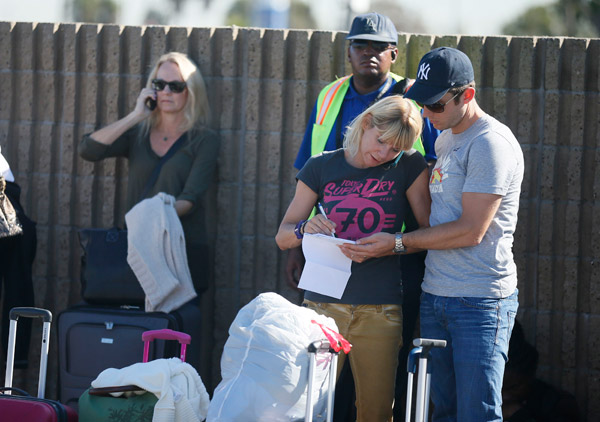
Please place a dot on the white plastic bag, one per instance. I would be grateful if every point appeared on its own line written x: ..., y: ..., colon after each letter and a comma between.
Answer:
x: 264, y: 366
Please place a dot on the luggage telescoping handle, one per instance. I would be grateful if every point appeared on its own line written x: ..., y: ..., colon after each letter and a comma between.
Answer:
x: 14, y: 315
x: 166, y: 334
x: 421, y: 351
x: 315, y: 347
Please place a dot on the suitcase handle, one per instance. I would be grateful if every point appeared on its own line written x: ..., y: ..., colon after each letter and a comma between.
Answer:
x: 429, y: 342
x: 45, y: 314
x: 16, y: 390
x: 421, y: 352
x: 321, y: 346
x: 28, y: 312
x: 166, y: 334
x: 106, y: 391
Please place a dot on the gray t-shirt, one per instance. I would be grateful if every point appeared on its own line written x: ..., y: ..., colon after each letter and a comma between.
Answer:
x: 486, y: 158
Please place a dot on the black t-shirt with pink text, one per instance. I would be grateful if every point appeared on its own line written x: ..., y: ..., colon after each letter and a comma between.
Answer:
x: 363, y: 202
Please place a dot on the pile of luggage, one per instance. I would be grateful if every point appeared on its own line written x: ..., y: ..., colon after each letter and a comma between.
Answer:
x: 268, y: 371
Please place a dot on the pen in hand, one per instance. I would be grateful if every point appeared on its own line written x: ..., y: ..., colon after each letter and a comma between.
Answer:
x: 322, y: 210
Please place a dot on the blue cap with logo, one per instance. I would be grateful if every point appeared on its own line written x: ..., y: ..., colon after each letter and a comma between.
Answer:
x: 374, y: 27
x: 439, y: 70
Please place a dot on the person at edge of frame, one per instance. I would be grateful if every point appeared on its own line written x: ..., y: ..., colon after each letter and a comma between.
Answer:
x: 470, y: 295
x: 372, y: 50
x: 17, y: 254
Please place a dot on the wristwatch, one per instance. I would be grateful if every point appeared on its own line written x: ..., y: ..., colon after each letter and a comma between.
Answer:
x: 299, y: 229
x: 398, y: 244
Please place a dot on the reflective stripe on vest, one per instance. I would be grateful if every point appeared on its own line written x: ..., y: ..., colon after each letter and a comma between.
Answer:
x: 329, y: 104
x: 328, y: 97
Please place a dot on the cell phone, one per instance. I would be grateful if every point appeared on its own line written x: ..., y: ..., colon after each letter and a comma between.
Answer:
x: 150, y: 103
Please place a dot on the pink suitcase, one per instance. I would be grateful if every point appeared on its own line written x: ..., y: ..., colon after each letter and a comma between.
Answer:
x: 24, y: 408
x: 147, y: 337
x: 165, y: 334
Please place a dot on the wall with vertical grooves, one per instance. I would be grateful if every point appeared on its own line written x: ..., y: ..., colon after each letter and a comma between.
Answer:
x: 63, y: 80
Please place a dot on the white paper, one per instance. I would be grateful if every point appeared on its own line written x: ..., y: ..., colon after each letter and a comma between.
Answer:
x: 327, y: 269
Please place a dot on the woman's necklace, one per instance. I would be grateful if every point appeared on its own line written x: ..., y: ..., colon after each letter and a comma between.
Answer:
x: 166, y: 138
x: 166, y: 135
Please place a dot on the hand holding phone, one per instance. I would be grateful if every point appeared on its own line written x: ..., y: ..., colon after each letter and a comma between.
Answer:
x: 150, y: 103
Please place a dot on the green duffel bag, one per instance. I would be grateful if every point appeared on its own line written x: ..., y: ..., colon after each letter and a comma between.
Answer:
x: 97, y: 405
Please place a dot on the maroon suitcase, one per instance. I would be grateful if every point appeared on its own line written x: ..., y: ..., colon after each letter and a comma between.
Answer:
x: 24, y: 408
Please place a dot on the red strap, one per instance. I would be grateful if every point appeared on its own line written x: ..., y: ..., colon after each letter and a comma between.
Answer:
x: 337, y: 341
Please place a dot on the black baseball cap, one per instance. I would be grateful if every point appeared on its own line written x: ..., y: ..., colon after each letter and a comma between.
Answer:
x: 439, y: 70
x: 374, y: 27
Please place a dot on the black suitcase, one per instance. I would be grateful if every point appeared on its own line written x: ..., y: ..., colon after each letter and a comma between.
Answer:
x: 93, y: 338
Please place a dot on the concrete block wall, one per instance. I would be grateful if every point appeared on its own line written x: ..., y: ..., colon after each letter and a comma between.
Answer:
x: 63, y: 80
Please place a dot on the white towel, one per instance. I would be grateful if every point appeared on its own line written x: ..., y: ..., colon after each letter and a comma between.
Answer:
x: 157, y: 255
x: 182, y: 397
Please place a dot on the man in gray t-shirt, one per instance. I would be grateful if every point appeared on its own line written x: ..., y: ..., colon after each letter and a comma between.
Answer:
x: 470, y: 288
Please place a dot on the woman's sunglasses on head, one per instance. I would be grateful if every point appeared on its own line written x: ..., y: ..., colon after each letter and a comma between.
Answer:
x: 174, y: 86
x: 438, y: 107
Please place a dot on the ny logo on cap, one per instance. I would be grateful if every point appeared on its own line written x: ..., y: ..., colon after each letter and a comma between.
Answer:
x: 370, y: 24
x: 423, y: 71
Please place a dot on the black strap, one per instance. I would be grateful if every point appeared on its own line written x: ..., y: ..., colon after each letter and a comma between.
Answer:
x: 386, y: 87
x: 400, y: 87
x: 154, y: 176
x: 339, y: 141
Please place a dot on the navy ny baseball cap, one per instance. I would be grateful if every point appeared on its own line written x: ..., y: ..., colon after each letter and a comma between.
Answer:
x: 374, y: 27
x: 439, y: 70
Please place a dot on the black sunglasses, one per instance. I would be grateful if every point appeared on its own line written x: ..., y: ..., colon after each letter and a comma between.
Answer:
x: 438, y: 107
x: 174, y: 86
x: 378, y: 46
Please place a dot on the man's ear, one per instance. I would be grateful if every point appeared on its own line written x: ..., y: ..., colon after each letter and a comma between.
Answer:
x: 469, y: 94
x: 394, y: 54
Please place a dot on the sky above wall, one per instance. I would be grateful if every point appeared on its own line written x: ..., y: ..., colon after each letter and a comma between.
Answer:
x: 469, y: 17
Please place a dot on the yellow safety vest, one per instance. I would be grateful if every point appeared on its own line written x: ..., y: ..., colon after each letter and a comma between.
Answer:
x: 329, y: 104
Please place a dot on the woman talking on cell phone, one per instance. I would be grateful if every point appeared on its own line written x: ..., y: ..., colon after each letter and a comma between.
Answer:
x: 170, y: 117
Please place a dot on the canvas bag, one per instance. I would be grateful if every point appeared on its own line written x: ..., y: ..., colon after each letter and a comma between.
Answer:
x: 264, y: 366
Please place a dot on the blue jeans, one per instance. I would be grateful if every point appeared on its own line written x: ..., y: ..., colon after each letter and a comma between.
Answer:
x: 466, y: 379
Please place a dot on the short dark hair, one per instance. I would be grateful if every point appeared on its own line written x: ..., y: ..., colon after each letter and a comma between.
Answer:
x: 458, y: 91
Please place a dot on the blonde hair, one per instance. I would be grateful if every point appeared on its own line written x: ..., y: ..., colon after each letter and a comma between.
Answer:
x: 196, y: 110
x: 397, y: 119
